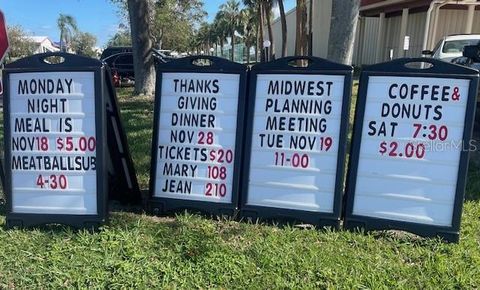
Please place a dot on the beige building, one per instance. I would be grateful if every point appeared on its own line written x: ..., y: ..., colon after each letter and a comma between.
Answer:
x: 383, y: 25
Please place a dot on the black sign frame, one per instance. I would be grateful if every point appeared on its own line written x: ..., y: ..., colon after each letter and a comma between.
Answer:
x: 211, y: 64
x: 317, y: 66
x: 398, y: 68
x: 122, y: 179
x: 71, y: 63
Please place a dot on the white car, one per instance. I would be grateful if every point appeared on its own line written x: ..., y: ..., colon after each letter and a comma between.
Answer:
x: 451, y: 46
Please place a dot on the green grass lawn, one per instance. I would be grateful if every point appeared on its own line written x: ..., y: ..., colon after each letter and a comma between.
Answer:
x: 189, y: 251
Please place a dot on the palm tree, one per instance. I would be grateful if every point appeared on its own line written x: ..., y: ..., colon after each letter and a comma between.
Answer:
x: 67, y: 26
x: 194, y: 44
x: 283, y: 21
x: 267, y: 10
x: 257, y: 6
x: 301, y: 32
x: 230, y: 11
x: 221, y: 30
x: 213, y: 37
x: 310, y: 29
x: 250, y: 23
x: 203, y: 37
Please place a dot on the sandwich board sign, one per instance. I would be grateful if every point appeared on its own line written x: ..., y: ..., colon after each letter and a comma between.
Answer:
x: 295, y: 141
x: 122, y: 180
x: 198, y: 131
x: 410, y: 147
x: 55, y: 141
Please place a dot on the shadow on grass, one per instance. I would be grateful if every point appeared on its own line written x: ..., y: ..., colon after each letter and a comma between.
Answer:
x: 53, y: 230
x: 190, y: 236
x: 137, y: 118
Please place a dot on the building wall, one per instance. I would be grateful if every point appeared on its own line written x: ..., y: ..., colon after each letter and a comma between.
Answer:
x: 416, y: 31
x: 391, y: 39
x: 277, y: 33
x: 366, y: 44
x: 322, y: 16
x: 321, y: 28
x: 449, y: 22
x: 476, y: 22
x: 456, y: 21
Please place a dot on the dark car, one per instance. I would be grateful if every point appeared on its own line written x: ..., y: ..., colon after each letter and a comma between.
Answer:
x: 115, y: 50
x: 471, y: 59
x: 121, y: 65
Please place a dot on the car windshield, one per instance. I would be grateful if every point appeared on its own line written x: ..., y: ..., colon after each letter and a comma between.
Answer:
x: 456, y: 46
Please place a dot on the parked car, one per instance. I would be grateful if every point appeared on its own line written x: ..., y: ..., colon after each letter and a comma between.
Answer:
x: 163, y: 54
x: 451, y: 46
x: 471, y: 58
x: 121, y: 65
x: 115, y: 50
x: 166, y: 52
x: 109, y: 51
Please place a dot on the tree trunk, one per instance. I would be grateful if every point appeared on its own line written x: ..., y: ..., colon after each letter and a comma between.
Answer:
x: 257, y: 43
x: 342, y: 30
x: 61, y: 41
x: 271, y: 49
x: 221, y: 47
x: 310, y: 29
x: 284, y: 27
x: 301, y: 31
x: 260, y: 25
x: 233, y: 45
x: 138, y: 11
